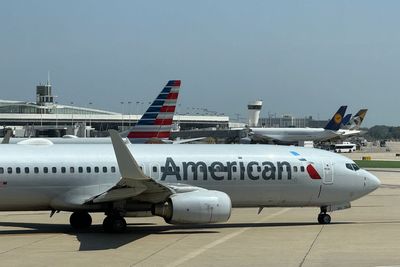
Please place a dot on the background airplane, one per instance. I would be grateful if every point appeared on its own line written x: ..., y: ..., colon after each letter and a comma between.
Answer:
x: 182, y: 184
x: 296, y: 135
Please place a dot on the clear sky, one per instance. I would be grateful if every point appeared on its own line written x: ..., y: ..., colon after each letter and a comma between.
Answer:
x: 300, y: 57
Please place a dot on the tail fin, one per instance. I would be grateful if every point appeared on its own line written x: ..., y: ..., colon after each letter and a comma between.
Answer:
x: 356, y: 121
x: 156, y: 122
x: 346, y: 120
x: 336, y: 121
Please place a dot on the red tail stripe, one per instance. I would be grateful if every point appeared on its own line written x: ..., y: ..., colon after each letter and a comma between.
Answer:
x: 172, y: 96
x: 149, y: 134
x: 163, y: 122
x: 167, y: 109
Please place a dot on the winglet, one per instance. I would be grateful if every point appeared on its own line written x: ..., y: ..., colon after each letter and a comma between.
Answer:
x: 127, y: 164
x: 7, y: 136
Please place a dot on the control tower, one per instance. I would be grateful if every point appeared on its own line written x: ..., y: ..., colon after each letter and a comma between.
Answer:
x: 44, y: 95
x: 254, y: 112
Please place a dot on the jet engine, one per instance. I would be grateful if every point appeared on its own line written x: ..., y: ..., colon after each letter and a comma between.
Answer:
x: 202, y: 206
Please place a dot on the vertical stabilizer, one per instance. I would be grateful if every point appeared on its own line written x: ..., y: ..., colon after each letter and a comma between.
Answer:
x: 156, y: 122
x: 337, y: 119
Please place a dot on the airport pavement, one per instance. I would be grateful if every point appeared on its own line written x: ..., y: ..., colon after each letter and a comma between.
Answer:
x: 368, y: 234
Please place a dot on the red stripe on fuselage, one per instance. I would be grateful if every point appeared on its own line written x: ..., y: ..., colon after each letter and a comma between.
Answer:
x: 313, y: 172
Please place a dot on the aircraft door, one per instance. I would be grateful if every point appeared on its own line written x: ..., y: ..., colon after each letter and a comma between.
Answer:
x: 328, y: 173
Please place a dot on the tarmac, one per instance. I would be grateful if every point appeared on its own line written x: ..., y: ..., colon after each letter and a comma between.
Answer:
x: 368, y: 234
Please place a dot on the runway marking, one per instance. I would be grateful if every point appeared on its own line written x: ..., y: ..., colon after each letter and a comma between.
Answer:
x: 312, y: 245
x: 223, y: 239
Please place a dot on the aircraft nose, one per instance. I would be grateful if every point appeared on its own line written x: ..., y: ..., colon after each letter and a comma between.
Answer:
x: 372, y: 182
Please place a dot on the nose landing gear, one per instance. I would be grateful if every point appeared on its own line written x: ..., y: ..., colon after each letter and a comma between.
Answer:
x: 323, y: 217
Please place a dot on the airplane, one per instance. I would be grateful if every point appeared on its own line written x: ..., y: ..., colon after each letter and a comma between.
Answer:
x: 346, y: 120
x: 296, y: 135
x: 356, y: 120
x: 353, y: 126
x: 154, y: 126
x: 191, y: 184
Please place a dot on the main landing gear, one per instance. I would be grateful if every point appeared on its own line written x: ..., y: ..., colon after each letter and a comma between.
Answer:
x: 323, y: 217
x: 114, y: 223
x: 80, y: 220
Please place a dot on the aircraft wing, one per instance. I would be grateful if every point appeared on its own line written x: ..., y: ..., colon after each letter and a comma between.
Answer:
x: 133, y: 183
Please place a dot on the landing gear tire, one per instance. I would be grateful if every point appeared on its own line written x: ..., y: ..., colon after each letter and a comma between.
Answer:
x: 114, y: 224
x: 80, y: 220
x: 324, y: 218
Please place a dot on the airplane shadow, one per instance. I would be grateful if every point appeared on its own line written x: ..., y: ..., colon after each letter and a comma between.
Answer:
x: 96, y: 239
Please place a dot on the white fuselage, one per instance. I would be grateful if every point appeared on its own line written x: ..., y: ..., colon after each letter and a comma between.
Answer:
x: 252, y: 175
x: 291, y: 135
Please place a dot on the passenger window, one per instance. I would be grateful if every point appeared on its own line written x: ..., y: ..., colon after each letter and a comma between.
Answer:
x: 104, y: 169
x: 9, y: 170
x: 355, y: 167
x: 163, y: 169
x: 80, y: 169
x: 234, y: 169
x: 45, y: 169
x: 259, y: 168
x: 96, y: 169
x: 18, y: 170
x: 295, y: 168
x: 112, y: 169
x: 54, y: 170
x: 71, y: 169
x: 63, y: 170
x: 1, y: 170
x: 36, y: 170
x: 88, y: 169
x: 302, y: 168
x: 154, y: 169
x: 349, y: 166
x: 26, y: 170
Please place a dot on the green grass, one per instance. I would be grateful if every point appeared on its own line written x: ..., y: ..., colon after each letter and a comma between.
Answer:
x: 377, y: 164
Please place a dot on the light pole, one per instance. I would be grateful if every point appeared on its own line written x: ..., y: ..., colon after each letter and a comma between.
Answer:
x: 90, y: 115
x: 129, y: 113
x: 122, y: 115
x: 72, y: 115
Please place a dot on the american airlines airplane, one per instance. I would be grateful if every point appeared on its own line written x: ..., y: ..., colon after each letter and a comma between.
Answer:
x: 156, y: 123
x: 183, y: 184
x: 296, y: 135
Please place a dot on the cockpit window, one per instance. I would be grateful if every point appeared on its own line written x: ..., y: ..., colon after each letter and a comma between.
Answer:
x: 349, y: 166
x: 355, y: 167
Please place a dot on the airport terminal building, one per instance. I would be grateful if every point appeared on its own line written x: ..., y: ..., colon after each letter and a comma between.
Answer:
x: 45, y: 117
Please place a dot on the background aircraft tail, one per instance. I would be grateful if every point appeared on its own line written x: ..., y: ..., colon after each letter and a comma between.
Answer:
x: 337, y: 119
x: 357, y: 119
x: 156, y: 122
x: 346, y: 120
